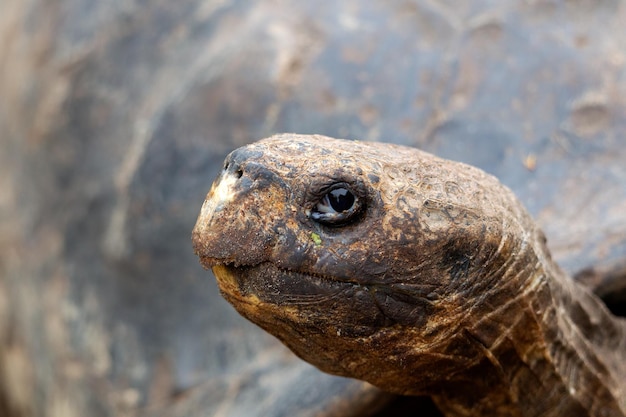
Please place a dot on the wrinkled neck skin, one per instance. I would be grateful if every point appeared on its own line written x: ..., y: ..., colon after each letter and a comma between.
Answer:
x: 560, y: 354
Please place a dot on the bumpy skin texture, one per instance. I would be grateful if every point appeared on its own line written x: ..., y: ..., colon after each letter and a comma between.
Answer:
x: 440, y: 285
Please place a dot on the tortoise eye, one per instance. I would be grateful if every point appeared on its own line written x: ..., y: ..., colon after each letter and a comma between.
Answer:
x: 337, y: 207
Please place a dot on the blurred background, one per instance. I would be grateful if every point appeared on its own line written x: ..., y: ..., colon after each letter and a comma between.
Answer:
x: 116, y: 116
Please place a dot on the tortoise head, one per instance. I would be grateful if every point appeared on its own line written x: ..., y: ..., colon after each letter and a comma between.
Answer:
x: 365, y: 259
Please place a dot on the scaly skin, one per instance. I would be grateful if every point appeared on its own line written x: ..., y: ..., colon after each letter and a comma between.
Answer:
x: 441, y: 284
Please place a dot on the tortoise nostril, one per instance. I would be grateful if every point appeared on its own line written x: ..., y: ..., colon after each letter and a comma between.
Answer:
x: 239, y: 162
x: 234, y: 168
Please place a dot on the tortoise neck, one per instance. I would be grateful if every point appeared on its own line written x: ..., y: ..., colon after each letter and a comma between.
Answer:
x: 558, y: 352
x: 585, y: 346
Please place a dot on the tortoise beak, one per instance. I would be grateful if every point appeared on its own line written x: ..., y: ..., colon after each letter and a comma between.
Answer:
x: 206, y: 233
x: 236, y: 224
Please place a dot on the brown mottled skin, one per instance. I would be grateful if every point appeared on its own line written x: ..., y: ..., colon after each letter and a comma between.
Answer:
x: 439, y: 284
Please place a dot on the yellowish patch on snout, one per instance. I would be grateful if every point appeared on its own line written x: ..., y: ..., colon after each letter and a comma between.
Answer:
x: 230, y: 288
x: 221, y: 193
x: 250, y: 305
x: 226, y: 279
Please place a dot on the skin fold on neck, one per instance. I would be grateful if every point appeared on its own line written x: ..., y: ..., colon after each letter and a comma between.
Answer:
x: 557, y: 354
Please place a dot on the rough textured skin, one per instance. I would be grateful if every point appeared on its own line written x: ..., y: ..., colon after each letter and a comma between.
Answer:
x: 441, y: 285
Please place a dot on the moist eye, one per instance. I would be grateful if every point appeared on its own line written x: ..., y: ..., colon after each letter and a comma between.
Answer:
x: 337, y: 201
x: 337, y: 207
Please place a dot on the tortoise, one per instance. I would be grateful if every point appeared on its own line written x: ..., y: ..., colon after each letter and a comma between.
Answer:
x: 116, y: 116
x: 417, y: 274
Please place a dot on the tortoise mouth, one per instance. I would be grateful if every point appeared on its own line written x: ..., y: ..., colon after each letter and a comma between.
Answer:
x: 328, y: 299
x: 280, y: 286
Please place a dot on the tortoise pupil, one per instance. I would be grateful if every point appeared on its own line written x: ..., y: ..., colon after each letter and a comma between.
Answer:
x: 341, y: 199
x: 337, y: 207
